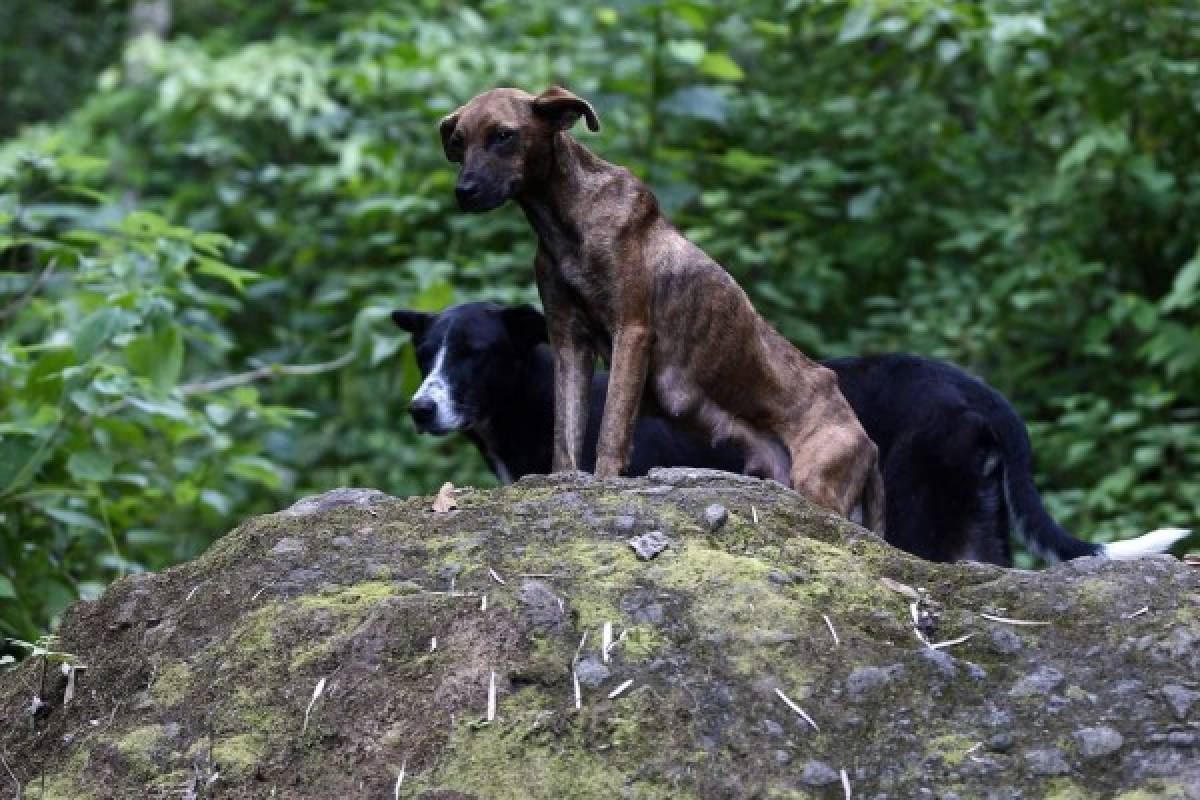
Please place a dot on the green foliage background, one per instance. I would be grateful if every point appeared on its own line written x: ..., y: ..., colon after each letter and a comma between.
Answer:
x: 1009, y: 184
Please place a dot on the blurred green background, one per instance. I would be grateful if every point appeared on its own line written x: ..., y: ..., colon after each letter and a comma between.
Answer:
x: 193, y: 192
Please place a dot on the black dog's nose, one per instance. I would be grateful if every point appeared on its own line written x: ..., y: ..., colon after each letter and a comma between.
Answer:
x: 423, y: 411
x: 466, y: 190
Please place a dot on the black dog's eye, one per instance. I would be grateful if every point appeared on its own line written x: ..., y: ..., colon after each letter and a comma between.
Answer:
x: 503, y: 136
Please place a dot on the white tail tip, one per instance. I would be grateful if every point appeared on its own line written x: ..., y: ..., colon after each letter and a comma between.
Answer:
x: 1152, y: 543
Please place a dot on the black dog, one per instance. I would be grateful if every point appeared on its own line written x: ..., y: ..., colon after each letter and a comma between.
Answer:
x: 956, y: 459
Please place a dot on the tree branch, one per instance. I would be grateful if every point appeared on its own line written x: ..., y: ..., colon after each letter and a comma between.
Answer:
x: 243, y: 378
x: 268, y: 371
x: 30, y: 291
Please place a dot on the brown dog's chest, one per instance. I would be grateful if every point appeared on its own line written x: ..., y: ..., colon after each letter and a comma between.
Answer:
x: 588, y: 287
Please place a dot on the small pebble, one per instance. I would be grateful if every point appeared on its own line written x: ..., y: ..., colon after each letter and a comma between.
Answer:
x: 1005, y: 642
x: 818, y: 773
x: 1042, y: 680
x: 649, y: 545
x: 865, y: 680
x: 1001, y: 742
x: 1180, y: 700
x: 1098, y: 742
x: 592, y: 672
x: 1046, y: 762
x: 715, y: 516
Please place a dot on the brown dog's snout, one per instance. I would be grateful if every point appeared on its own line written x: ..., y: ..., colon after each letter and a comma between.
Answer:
x: 467, y: 190
x: 478, y: 190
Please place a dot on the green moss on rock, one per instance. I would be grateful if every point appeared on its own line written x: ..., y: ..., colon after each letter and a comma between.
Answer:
x: 515, y: 761
x: 952, y: 748
x: 239, y: 754
x: 172, y: 684
x: 144, y: 746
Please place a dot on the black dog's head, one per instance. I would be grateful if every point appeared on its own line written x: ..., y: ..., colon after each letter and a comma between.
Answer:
x: 470, y: 356
x: 504, y: 136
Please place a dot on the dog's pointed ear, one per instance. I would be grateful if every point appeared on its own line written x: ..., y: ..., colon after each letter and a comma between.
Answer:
x: 526, y: 326
x: 562, y: 109
x: 415, y: 322
x: 451, y: 146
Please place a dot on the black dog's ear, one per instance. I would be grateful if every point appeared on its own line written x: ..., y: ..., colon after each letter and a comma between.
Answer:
x: 562, y: 109
x: 526, y: 326
x: 451, y: 146
x: 415, y: 322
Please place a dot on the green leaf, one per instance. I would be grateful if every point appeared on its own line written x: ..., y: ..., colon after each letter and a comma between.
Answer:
x: 90, y: 466
x: 1009, y: 27
x: 170, y: 408
x: 6, y: 588
x: 862, y: 205
x: 259, y: 470
x: 855, y: 24
x: 769, y: 27
x: 75, y: 519
x: 607, y: 16
x: 219, y: 413
x: 237, y: 278
x: 700, y: 102
x: 435, y: 298
x: 144, y: 537
x: 687, y: 51
x: 157, y: 356
x: 84, y: 191
x: 78, y: 162
x: 948, y: 50
x: 749, y: 163
x: 1112, y: 140
x: 1183, y: 288
x: 97, y: 329
x: 691, y: 14
x: 383, y: 348
x: 145, y: 223
x: 34, y: 425
x: 20, y: 458
x: 211, y: 243
x: 721, y: 66
x: 185, y: 493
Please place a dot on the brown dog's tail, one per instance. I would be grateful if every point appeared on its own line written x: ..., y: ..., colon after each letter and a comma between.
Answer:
x: 874, y: 508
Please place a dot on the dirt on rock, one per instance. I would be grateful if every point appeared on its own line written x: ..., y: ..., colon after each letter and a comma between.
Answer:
x: 347, y: 648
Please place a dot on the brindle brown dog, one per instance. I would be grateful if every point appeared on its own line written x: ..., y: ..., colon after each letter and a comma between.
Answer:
x: 618, y: 280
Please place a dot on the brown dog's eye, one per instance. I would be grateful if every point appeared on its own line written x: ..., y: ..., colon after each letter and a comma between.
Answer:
x: 502, y: 136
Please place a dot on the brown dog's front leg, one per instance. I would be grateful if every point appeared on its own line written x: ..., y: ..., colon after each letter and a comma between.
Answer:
x: 631, y: 356
x: 574, y: 362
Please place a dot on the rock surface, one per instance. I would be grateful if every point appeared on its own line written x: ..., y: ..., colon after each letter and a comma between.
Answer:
x: 201, y: 680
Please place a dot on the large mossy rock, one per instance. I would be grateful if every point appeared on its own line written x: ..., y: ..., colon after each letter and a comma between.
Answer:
x: 200, y: 681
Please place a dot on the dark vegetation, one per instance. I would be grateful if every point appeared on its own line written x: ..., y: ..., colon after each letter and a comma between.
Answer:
x: 201, y: 234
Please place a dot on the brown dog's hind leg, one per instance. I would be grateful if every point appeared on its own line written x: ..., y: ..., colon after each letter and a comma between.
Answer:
x: 875, y: 502
x: 829, y: 468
